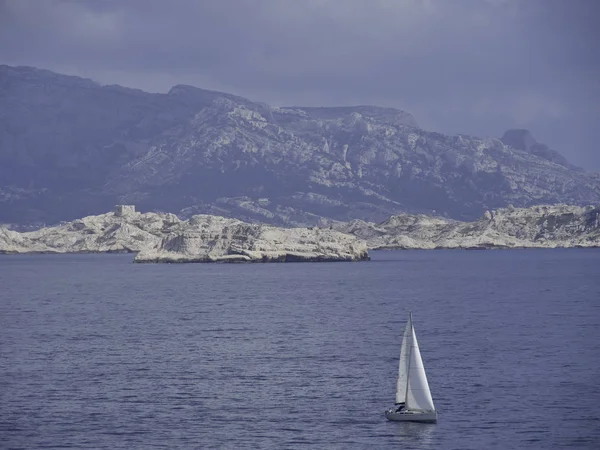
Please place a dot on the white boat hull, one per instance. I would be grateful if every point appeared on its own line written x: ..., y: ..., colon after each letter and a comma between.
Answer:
x: 411, y: 416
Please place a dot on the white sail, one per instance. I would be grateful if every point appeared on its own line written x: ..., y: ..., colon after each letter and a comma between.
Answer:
x: 403, y: 365
x: 418, y: 395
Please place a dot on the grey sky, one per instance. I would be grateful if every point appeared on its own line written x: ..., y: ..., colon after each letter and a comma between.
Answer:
x: 460, y: 66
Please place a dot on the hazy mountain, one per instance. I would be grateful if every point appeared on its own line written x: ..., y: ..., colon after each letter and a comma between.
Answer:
x: 523, y: 140
x: 70, y: 147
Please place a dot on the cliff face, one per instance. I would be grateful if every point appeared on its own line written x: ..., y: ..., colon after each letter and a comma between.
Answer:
x: 206, y: 238
x: 70, y: 147
x: 202, y: 238
x: 536, y: 227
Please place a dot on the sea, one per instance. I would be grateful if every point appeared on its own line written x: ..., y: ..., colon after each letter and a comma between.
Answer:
x: 98, y: 352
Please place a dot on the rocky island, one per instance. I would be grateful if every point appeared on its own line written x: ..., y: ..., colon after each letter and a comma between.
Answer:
x: 163, y: 237
x: 557, y: 226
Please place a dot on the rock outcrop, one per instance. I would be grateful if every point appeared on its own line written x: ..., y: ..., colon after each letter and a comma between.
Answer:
x: 203, y: 238
x: 162, y: 237
x: 535, y: 227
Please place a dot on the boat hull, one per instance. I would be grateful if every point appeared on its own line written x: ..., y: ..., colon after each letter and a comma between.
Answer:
x: 411, y: 416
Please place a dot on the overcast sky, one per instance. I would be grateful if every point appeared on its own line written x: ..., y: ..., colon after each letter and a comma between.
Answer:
x: 460, y: 66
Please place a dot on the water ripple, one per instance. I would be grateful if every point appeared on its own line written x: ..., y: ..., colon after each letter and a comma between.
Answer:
x: 96, y: 352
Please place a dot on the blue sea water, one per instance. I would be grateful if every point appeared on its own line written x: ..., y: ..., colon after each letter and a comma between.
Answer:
x: 97, y: 352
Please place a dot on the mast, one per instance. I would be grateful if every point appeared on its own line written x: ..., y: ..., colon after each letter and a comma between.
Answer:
x: 409, y: 358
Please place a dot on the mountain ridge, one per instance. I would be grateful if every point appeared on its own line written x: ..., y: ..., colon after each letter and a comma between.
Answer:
x: 70, y: 147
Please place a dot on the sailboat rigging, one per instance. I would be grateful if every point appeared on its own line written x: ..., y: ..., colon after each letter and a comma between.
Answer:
x: 413, y: 397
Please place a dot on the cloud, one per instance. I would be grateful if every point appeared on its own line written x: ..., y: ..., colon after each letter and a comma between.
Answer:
x: 471, y: 66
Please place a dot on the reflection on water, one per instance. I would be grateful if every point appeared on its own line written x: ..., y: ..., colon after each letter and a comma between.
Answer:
x: 414, y: 434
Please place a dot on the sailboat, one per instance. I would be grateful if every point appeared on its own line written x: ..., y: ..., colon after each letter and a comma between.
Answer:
x: 413, y: 398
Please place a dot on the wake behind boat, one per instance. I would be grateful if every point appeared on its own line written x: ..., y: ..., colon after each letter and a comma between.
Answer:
x: 413, y: 398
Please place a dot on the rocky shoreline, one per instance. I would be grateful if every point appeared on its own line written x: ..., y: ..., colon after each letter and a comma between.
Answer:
x: 556, y: 226
x: 165, y: 238
x: 203, y: 238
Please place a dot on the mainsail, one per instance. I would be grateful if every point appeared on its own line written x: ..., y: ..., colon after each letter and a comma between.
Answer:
x: 418, y: 395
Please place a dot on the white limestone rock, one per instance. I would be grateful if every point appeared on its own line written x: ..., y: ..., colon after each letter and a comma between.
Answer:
x: 216, y: 239
x: 123, y: 230
x: 202, y: 238
x: 536, y: 227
